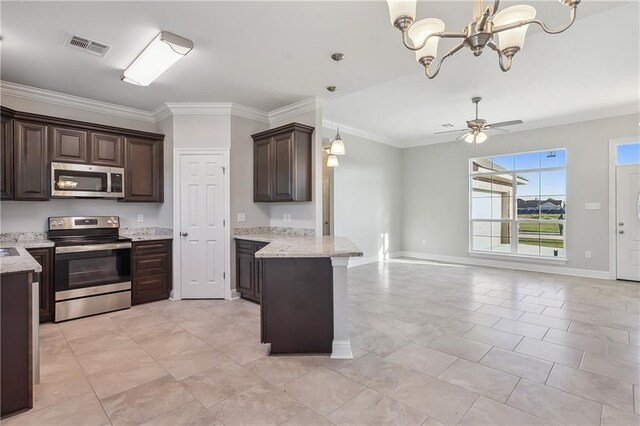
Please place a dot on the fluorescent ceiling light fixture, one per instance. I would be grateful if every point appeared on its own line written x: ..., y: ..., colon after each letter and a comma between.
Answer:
x: 156, y: 58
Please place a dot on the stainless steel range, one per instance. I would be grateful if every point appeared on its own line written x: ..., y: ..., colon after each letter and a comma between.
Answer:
x: 92, y: 266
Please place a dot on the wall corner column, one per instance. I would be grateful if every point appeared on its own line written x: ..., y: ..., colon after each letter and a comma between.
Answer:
x: 341, y: 348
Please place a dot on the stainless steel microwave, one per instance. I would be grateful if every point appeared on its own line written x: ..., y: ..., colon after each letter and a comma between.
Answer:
x: 81, y: 180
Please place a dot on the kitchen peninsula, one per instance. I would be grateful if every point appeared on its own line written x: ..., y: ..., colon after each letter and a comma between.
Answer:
x: 303, y: 293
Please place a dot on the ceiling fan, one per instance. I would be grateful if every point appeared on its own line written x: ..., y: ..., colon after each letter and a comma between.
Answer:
x: 477, y: 127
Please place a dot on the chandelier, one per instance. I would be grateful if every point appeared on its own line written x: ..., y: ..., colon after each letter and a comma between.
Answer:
x: 509, y: 25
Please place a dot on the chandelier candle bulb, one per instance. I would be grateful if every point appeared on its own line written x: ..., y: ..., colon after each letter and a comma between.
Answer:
x: 420, y: 30
x: 514, y: 38
x: 400, y: 9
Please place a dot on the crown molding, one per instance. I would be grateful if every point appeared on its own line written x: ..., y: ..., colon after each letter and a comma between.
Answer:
x: 294, y: 109
x: 250, y: 113
x: 61, y: 99
x: 361, y: 133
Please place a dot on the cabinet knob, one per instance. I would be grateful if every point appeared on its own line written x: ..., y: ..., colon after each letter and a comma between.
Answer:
x: 184, y: 234
x: 621, y: 224
x: 621, y: 232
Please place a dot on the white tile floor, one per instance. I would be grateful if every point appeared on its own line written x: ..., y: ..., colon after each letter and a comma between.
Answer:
x: 434, y: 344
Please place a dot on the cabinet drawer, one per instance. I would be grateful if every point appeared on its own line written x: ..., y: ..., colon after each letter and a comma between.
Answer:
x: 148, y: 247
x: 150, y: 288
x: 150, y: 264
x: 247, y: 246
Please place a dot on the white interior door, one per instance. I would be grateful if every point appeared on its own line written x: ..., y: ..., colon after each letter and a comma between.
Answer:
x: 628, y: 222
x: 202, y: 225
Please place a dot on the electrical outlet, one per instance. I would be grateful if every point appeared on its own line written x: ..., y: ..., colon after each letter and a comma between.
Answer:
x: 289, y: 217
x: 242, y: 217
x: 140, y: 217
x: 587, y: 255
x: 286, y: 217
x: 424, y: 242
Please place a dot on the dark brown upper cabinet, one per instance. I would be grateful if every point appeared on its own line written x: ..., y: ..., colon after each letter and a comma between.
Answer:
x: 31, y: 161
x: 282, y: 164
x: 143, y: 174
x: 30, y: 142
x: 107, y: 150
x: 262, y: 187
x: 6, y: 157
x: 69, y: 145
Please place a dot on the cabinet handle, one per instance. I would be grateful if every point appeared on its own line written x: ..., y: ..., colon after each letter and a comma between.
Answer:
x: 184, y: 234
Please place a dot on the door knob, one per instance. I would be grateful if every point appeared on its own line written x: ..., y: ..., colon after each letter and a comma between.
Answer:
x: 184, y: 234
x: 621, y: 232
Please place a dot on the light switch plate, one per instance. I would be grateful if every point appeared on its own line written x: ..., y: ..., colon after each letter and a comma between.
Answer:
x: 242, y: 217
x: 592, y: 206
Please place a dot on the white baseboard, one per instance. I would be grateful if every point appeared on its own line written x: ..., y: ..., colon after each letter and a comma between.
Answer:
x: 235, y: 294
x: 341, y: 349
x: 522, y: 266
x: 359, y: 261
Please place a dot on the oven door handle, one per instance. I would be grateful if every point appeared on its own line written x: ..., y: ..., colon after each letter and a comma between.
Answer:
x: 93, y: 247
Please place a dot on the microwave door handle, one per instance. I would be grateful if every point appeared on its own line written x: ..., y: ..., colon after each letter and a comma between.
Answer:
x: 108, y: 182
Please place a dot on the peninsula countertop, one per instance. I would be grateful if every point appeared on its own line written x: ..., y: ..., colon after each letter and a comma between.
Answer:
x: 22, y: 262
x: 288, y: 246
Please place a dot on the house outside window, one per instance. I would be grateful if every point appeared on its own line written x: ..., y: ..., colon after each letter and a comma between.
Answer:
x: 518, y: 204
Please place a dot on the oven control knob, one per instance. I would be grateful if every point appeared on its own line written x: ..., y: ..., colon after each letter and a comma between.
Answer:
x: 109, y: 221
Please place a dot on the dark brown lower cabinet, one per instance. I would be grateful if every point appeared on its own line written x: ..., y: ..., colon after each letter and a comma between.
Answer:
x: 44, y: 256
x: 151, y: 271
x: 297, y: 305
x: 16, y: 354
x: 249, y: 272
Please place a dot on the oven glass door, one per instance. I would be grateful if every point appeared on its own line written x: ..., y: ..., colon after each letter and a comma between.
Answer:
x: 78, y: 181
x: 93, y: 268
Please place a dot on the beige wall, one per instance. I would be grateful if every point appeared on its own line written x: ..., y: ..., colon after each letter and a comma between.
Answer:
x: 367, y: 196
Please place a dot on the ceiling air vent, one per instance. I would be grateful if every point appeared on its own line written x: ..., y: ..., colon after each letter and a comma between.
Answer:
x: 87, y: 46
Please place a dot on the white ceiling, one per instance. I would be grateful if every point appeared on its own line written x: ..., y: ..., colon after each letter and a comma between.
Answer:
x: 270, y: 54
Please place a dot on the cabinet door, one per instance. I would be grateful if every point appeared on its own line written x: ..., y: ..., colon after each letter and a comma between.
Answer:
x: 283, y: 167
x: 244, y: 273
x: 259, y: 272
x: 69, y: 145
x: 143, y: 170
x: 31, y: 161
x: 6, y: 158
x: 107, y: 150
x: 262, y: 163
x: 44, y: 256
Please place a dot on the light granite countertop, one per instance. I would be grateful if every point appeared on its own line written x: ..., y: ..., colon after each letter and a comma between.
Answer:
x: 24, y: 262
x: 285, y: 246
x: 147, y: 234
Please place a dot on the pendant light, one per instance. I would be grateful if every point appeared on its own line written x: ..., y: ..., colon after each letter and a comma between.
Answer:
x: 337, y: 145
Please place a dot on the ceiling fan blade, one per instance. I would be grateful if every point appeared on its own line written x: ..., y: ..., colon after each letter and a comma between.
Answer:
x: 504, y: 123
x: 451, y: 131
x: 497, y: 128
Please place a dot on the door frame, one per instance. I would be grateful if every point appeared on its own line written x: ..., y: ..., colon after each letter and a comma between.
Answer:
x: 176, y: 292
x: 613, y: 213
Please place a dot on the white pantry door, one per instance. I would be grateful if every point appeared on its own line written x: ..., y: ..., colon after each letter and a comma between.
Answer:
x: 628, y: 222
x: 202, y: 225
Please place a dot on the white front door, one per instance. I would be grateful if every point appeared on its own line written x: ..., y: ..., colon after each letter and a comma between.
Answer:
x: 202, y: 225
x: 628, y: 222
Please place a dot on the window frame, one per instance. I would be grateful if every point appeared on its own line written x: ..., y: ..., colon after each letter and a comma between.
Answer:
x: 514, y: 221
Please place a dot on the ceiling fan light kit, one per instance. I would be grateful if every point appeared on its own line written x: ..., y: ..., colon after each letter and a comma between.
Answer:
x: 508, y: 25
x: 475, y: 132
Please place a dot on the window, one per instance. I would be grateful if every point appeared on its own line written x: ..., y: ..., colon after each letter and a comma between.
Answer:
x: 518, y: 204
x: 627, y: 154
